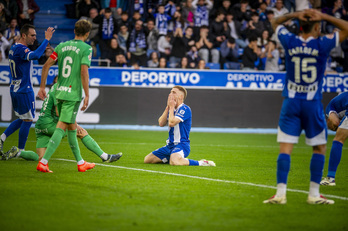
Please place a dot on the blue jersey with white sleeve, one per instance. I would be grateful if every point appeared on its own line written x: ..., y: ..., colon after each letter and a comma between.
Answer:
x: 20, y: 60
x: 305, y: 62
x: 338, y: 104
x: 180, y: 133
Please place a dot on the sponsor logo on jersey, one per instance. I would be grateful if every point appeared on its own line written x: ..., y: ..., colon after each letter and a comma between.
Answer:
x: 64, y: 88
x: 26, y: 50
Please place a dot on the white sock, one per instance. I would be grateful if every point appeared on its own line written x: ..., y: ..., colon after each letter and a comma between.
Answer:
x: 19, y: 153
x: 80, y: 162
x: 44, y: 161
x: 314, y: 189
x: 3, y: 137
x: 281, y: 190
x: 104, y: 156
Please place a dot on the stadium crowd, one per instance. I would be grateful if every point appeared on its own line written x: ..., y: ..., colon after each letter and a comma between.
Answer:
x: 230, y: 34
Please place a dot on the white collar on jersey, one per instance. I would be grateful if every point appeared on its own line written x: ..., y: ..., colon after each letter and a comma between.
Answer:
x: 306, y: 40
x: 179, y: 106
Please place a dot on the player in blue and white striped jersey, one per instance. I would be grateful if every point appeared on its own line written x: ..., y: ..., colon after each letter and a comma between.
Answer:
x: 305, y: 59
x: 337, y: 120
x: 178, y: 116
x: 21, y: 87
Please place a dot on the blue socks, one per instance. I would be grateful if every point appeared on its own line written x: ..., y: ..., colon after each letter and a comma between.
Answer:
x: 193, y: 162
x: 23, y: 134
x: 14, y: 126
x: 316, y: 167
x: 335, y: 158
x: 283, y: 168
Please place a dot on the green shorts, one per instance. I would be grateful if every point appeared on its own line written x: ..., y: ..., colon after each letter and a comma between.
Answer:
x: 67, y: 110
x: 43, y: 134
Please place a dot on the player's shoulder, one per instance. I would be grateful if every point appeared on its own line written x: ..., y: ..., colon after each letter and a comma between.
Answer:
x: 185, y: 107
x: 18, y: 47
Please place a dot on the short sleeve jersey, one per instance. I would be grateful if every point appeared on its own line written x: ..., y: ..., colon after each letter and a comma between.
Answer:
x: 71, y: 55
x: 338, y: 104
x: 20, y: 68
x: 305, y: 62
x: 180, y: 133
x: 48, y: 111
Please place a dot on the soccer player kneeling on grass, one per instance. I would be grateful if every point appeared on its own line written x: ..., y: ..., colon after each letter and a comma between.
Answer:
x: 305, y: 57
x: 178, y: 116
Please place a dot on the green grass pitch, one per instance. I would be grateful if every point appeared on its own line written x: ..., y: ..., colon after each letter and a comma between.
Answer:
x: 129, y: 195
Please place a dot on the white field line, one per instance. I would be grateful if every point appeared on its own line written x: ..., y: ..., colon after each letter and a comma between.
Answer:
x: 206, y: 178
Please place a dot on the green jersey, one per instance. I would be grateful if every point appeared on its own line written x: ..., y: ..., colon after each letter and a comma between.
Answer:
x: 48, y: 113
x: 71, y: 55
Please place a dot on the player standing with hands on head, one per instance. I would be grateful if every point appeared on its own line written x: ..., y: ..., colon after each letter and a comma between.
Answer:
x: 74, y: 58
x: 178, y: 116
x: 337, y: 120
x: 305, y: 57
x: 21, y: 87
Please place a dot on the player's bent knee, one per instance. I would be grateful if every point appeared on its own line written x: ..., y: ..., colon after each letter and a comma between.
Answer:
x: 151, y: 159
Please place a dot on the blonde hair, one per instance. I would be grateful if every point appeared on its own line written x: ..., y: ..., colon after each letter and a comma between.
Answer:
x: 182, y: 89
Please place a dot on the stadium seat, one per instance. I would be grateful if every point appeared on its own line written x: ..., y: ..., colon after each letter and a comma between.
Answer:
x: 213, y: 65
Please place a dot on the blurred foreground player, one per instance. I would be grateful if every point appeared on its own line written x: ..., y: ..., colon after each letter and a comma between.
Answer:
x: 305, y: 57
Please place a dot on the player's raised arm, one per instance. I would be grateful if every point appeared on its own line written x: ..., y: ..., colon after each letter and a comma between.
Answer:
x: 283, y: 18
x: 45, y: 69
x: 41, y: 49
x: 162, y: 121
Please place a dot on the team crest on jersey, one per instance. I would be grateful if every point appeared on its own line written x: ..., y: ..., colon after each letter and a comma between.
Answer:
x: 26, y: 50
x: 181, y: 112
x: 90, y: 56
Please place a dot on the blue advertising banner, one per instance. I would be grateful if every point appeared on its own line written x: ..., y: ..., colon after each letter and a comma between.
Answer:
x: 211, y: 79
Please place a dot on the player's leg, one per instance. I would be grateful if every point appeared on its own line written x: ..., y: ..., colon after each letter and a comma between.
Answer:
x: 27, y: 102
x: 289, y: 130
x: 336, y: 153
x: 152, y: 159
x: 93, y: 146
x: 316, y: 136
x: 161, y: 155
x: 179, y: 157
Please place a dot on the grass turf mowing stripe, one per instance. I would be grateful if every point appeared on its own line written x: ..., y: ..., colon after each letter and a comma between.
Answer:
x: 206, y: 178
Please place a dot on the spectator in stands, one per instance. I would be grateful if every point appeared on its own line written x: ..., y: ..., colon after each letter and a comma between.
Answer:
x: 107, y: 29
x: 84, y: 7
x: 12, y: 31
x: 152, y: 37
x: 121, y: 61
x: 93, y: 13
x: 204, y: 44
x: 164, y: 45
x: 122, y: 37
x: 250, y: 54
x: 290, y: 5
x: 201, y: 65
x: 4, y: 44
x: 170, y: 8
x: 26, y: 11
x: 124, y: 20
x: 141, y: 6
x: 234, y: 30
x: 279, y: 8
x: 188, y: 13
x: 188, y: 38
x: 178, y: 50
x: 337, y: 11
x: 267, y: 22
x: 176, y: 22
x: 255, y: 27
x: 242, y: 13
x: 272, y: 57
x: 153, y: 62
x: 11, y: 6
x: 137, y: 45
x: 184, y: 64
x: 193, y: 57
x: 217, y: 30
x: 263, y: 40
x: 112, y: 51
x: 4, y: 18
x: 49, y: 50
x: 161, y: 19
x: 202, y: 8
x: 229, y: 54
x: 262, y: 11
x: 226, y: 7
x: 162, y: 62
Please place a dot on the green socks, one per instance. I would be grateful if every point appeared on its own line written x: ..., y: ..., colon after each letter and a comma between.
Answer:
x: 91, y: 145
x: 54, y: 142
x: 74, y: 145
x: 29, y: 155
